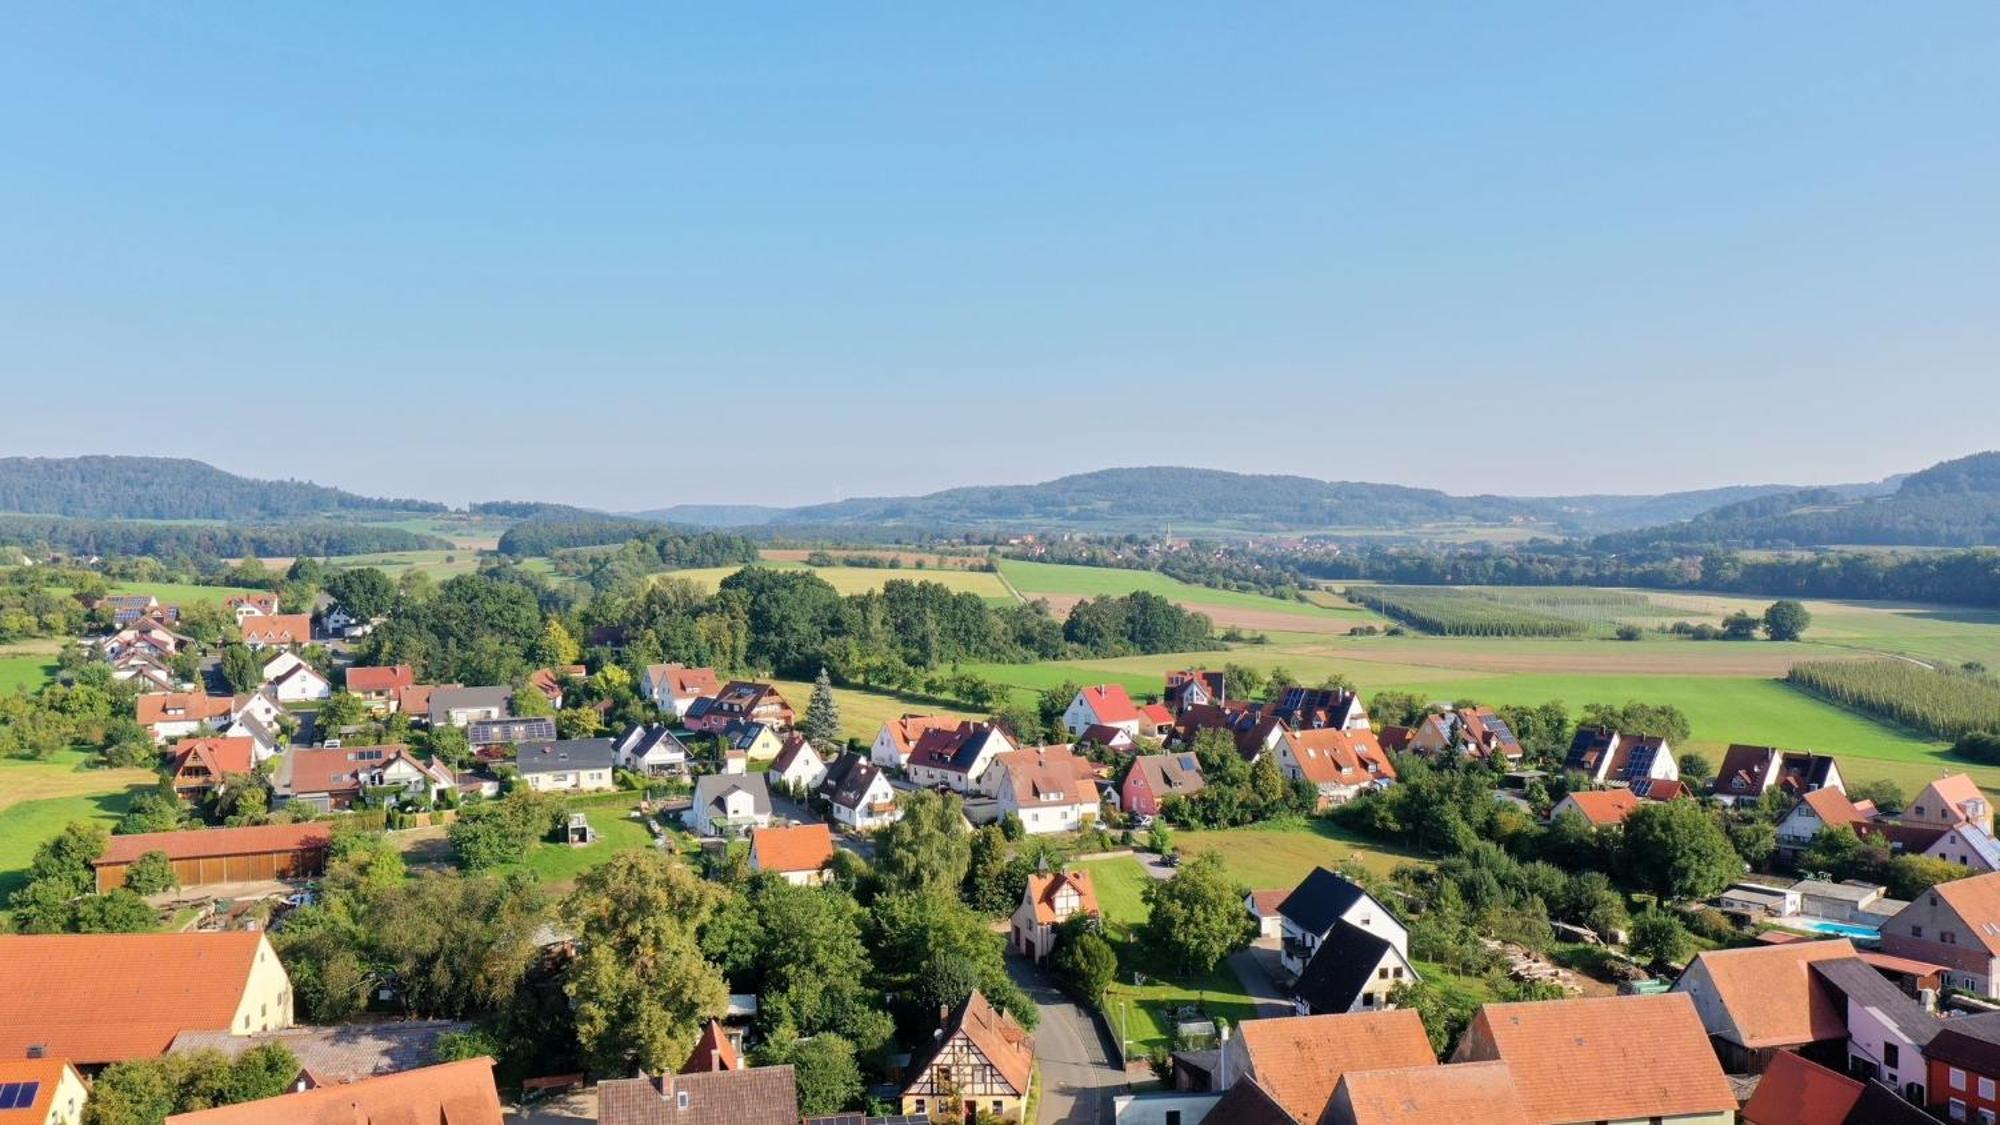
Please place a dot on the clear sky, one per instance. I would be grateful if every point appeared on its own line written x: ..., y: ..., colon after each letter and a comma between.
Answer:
x: 787, y: 254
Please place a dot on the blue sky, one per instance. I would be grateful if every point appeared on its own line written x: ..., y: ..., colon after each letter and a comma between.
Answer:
x: 787, y: 253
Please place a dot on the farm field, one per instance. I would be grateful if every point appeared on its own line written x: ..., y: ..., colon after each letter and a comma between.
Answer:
x: 181, y: 593
x: 862, y: 712
x: 908, y: 558
x: 38, y: 799
x: 437, y: 564
x: 23, y: 667
x: 1269, y: 856
x: 1064, y: 585
x: 862, y: 579
x: 473, y: 533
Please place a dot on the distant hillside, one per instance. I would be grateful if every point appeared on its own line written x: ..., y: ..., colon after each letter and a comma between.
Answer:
x: 163, y: 488
x: 714, y: 515
x: 1605, y: 514
x: 1151, y: 498
x: 1952, y: 504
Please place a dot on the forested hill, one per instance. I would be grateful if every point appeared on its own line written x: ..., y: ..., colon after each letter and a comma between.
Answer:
x: 1149, y: 498
x: 166, y: 488
x: 1952, y: 504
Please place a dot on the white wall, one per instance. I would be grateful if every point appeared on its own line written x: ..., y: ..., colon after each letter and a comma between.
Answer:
x: 1152, y: 1109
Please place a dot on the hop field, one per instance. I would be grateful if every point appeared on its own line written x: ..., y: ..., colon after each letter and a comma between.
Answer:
x: 1462, y: 613
x: 1948, y: 704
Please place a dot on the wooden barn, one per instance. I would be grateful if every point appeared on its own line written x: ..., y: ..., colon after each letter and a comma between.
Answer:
x: 223, y: 855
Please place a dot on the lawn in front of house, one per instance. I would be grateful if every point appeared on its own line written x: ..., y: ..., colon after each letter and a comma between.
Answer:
x: 617, y: 829
x: 1280, y: 853
x: 862, y: 711
x: 1139, y: 1006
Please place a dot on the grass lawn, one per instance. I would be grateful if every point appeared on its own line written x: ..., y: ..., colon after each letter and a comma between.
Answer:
x: 1140, y: 1011
x: 1063, y: 585
x: 558, y: 865
x: 862, y: 712
x: 182, y: 593
x: 1279, y: 854
x: 26, y: 825
x: 437, y: 564
x: 24, y: 670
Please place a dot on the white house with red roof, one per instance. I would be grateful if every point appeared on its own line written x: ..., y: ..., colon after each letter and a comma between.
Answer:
x: 898, y: 738
x: 1102, y: 705
x: 1051, y: 788
x: 675, y: 687
x: 1050, y: 899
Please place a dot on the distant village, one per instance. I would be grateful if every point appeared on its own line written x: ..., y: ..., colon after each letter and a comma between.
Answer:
x: 1841, y: 1003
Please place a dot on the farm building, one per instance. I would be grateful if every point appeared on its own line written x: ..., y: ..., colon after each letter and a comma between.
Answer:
x: 222, y: 855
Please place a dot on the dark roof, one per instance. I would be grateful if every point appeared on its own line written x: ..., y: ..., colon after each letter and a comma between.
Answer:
x: 1318, y: 902
x: 445, y: 700
x: 742, y: 734
x: 848, y: 779
x: 954, y: 748
x: 1310, y: 708
x: 1340, y: 969
x: 1247, y: 1103
x: 1971, y: 1042
x: 1862, y: 984
x: 711, y: 788
x: 484, y: 732
x: 761, y: 1095
x: 642, y: 741
x: 573, y: 754
x: 700, y: 707
x: 1587, y: 746
x: 1201, y: 1067
x: 1879, y: 1105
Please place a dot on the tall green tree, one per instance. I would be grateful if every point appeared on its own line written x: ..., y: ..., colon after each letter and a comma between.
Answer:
x: 241, y: 669
x: 927, y: 847
x: 1195, y: 918
x: 1677, y: 849
x: 821, y: 724
x: 1786, y: 620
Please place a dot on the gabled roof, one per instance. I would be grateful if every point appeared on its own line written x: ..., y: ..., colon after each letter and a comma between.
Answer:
x: 795, y: 747
x: 1976, y: 901
x: 1602, y: 807
x: 710, y: 789
x: 1833, y: 808
x: 1743, y: 768
x: 1797, y: 1091
x: 370, y: 681
x: 210, y: 842
x: 455, y: 1093
x: 1956, y: 790
x: 742, y: 734
x: 488, y: 732
x: 1171, y: 775
x: 565, y: 755
x: 955, y: 749
x: 1319, y: 900
x: 100, y: 998
x: 1768, y: 992
x: 1157, y: 714
x: 1105, y: 736
x: 278, y: 629
x: 904, y: 732
x: 1607, y: 1057
x: 848, y: 780
x: 712, y: 1051
x: 759, y: 1095
x: 1860, y: 984
x: 337, y: 769
x: 182, y: 707
x: 1010, y: 1050
x: 806, y: 847
x: 550, y: 681
x: 219, y: 756
x: 1331, y: 756
x: 36, y: 1083
x: 1110, y: 703
x: 682, y: 681
x: 444, y: 700
x: 1298, y: 1060
x: 1340, y: 968
x: 1046, y: 776
x: 1460, y: 1094
x: 1972, y: 1042
x: 1247, y: 1103
x: 1044, y: 887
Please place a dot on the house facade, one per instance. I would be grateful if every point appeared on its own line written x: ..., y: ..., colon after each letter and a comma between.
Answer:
x: 570, y: 765
x: 1956, y: 925
x: 1154, y: 778
x: 1609, y: 757
x: 959, y: 757
x: 1105, y: 705
x: 726, y: 804
x: 898, y: 738
x: 798, y: 767
x: 1051, y: 788
x: 1317, y: 905
x: 859, y: 794
x: 1340, y: 764
x: 1050, y: 899
x: 980, y: 1064
x: 674, y: 687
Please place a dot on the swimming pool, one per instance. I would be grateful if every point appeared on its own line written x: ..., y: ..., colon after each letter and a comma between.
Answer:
x: 1833, y: 929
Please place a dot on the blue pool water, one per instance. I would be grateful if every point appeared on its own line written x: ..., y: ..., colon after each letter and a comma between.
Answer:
x: 1834, y: 929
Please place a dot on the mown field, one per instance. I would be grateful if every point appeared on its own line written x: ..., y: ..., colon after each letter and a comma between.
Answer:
x: 1139, y: 1013
x: 863, y: 712
x: 1064, y: 585
x: 22, y: 669
x: 39, y: 798
x: 1269, y: 856
x: 437, y: 564
x: 862, y: 579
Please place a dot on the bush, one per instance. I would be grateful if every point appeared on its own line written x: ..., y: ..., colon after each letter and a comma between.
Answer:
x: 151, y: 874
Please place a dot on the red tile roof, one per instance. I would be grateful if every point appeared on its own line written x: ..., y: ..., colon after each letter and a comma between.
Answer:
x: 182, y: 706
x: 219, y: 756
x: 1604, y: 806
x: 322, y: 769
x: 806, y: 847
x: 456, y: 1093
x: 1157, y: 714
x: 1977, y: 902
x: 1459, y: 1094
x: 278, y: 629
x: 1299, y: 1060
x: 1044, y: 886
x: 1797, y: 1091
x: 1329, y: 756
x: 1010, y: 1050
x: 210, y: 842
x: 1768, y: 992
x: 376, y: 681
x: 1833, y: 808
x: 712, y: 1051
x: 908, y: 730
x: 47, y: 1072
x: 1110, y: 703
x: 685, y: 682
x: 1606, y: 1057
x: 101, y: 998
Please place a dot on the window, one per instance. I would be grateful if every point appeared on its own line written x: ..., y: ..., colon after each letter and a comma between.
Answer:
x: 1948, y: 938
x: 1986, y: 1088
x: 1173, y: 1117
x: 1916, y: 931
x: 1381, y: 974
x: 1957, y: 1077
x: 919, y: 1106
x: 1956, y: 1110
x: 997, y: 1105
x: 1891, y: 1055
x: 1985, y: 1117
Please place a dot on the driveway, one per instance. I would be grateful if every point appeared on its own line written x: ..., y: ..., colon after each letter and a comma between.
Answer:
x: 1078, y: 1078
x: 1257, y: 967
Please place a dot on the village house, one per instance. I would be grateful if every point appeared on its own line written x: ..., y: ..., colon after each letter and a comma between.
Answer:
x: 1340, y: 764
x: 243, y: 606
x: 331, y: 778
x: 727, y: 804
x: 151, y: 672
x: 1102, y: 705
x: 168, y: 715
x: 1154, y: 778
x: 1352, y: 970
x: 859, y: 794
x: 958, y: 758
x: 1602, y: 808
x: 453, y: 1093
x: 1325, y: 708
x: 1155, y: 720
x: 41, y: 1091
x: 1887, y: 1030
x: 95, y: 999
x: 758, y: 1095
x: 1254, y: 733
x: 898, y: 738
x: 1968, y: 846
x: 1949, y: 802
x: 798, y: 767
x: 1795, y: 1090
x: 1440, y: 1095
x: 1962, y: 1069
x: 798, y: 855
x: 1194, y: 686
x: 127, y: 608
x: 1265, y: 906
x: 252, y: 854
x: 145, y: 635
x: 1606, y: 1058
x: 550, y: 682
x: 511, y: 731
x: 1321, y: 902
x: 1608, y: 757
x: 1295, y: 1063
x: 675, y: 687
x: 1050, y: 788
x: 572, y: 765
x: 1111, y: 738
x: 653, y: 751
x: 1050, y: 899
x: 380, y: 688
x: 1761, y: 999
x: 979, y: 1059
x: 1477, y: 732
x: 1818, y: 809
x: 260, y: 705
x: 1956, y: 925
x: 265, y: 740
x: 459, y: 706
x: 201, y: 765
x: 1749, y: 772
x: 757, y: 742
x: 740, y: 701
x: 277, y: 630
x: 291, y: 680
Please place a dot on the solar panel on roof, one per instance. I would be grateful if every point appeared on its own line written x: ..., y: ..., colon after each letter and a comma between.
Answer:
x: 19, y: 1095
x: 1187, y: 762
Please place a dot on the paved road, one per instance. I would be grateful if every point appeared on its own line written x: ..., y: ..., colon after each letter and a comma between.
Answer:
x: 1257, y: 967
x: 1078, y: 1079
